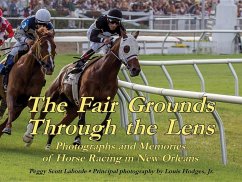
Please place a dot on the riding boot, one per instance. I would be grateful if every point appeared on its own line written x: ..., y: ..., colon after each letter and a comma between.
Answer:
x: 8, y: 66
x: 82, y: 61
x: 2, y: 69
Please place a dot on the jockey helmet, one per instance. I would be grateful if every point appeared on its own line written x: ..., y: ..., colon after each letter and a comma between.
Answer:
x: 1, y: 13
x: 42, y: 16
x: 114, y: 15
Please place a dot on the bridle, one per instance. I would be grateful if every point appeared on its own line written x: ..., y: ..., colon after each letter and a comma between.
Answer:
x: 125, y: 62
x: 122, y: 61
x: 38, y: 56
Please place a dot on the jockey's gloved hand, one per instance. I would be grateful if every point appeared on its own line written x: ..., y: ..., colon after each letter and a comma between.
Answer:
x: 107, y: 41
x: 5, y: 37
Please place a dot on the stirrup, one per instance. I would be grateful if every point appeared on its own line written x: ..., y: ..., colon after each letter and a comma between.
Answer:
x: 80, y: 63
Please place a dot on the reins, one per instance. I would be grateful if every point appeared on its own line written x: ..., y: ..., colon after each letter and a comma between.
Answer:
x: 122, y: 62
x: 39, y: 58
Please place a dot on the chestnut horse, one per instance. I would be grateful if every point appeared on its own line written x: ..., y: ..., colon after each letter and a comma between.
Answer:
x: 27, y: 77
x: 99, y: 81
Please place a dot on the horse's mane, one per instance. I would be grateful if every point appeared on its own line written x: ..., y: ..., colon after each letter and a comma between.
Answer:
x: 43, y: 30
x: 116, y: 43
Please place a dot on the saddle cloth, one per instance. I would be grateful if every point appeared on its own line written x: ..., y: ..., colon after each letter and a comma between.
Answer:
x: 73, y: 80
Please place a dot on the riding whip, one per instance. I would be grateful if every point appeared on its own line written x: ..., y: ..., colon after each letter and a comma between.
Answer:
x: 5, y: 53
x: 3, y: 49
x: 90, y: 53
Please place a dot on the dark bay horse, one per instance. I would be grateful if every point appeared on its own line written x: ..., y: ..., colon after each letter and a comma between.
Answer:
x: 99, y: 80
x: 27, y: 77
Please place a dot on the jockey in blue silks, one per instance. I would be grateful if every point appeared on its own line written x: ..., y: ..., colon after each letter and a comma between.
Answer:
x: 25, y: 36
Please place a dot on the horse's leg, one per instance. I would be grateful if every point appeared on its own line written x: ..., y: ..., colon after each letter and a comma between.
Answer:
x: 14, y: 114
x: 54, y: 97
x: 71, y: 114
x: 81, y: 121
x: 27, y: 137
x: 11, y: 102
x: 104, y: 123
x: 3, y: 108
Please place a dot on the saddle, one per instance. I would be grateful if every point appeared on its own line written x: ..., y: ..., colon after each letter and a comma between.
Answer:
x: 73, y: 79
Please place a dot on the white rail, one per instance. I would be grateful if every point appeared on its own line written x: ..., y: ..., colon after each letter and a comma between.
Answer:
x: 157, y: 43
x: 159, y: 31
x: 168, y: 94
x: 181, y: 93
x: 229, y: 62
x: 170, y: 22
x: 193, y: 95
x: 189, y: 62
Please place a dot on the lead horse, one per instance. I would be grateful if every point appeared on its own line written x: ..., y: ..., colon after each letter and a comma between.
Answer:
x: 27, y: 77
x: 99, y: 81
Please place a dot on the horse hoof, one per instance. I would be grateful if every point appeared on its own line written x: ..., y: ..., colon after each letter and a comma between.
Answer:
x: 47, y: 147
x: 7, y: 131
x: 77, y: 142
x: 28, y: 139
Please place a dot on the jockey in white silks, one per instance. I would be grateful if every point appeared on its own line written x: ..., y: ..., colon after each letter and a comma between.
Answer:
x: 99, y: 34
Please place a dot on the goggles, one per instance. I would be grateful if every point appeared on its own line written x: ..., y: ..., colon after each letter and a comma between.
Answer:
x: 114, y: 21
x: 42, y: 24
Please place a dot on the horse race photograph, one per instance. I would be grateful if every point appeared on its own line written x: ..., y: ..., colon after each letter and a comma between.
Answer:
x: 131, y: 90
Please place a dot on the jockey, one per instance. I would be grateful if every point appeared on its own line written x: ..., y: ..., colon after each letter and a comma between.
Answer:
x: 100, y: 33
x: 5, y: 27
x: 25, y: 36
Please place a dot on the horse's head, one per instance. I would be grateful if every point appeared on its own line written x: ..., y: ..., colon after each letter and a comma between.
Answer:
x: 128, y: 52
x: 45, y: 49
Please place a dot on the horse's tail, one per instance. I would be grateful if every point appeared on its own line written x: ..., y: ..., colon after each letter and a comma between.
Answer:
x: 57, y: 80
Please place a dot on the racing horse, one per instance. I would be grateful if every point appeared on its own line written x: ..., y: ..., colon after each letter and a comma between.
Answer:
x: 98, y: 80
x: 27, y: 76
